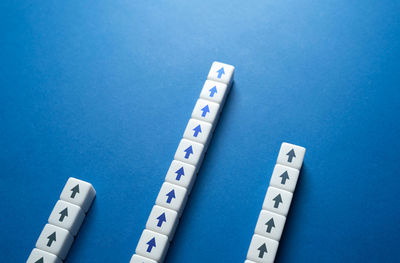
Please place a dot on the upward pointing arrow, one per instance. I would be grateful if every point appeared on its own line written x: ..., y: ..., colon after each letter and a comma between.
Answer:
x: 284, y: 176
x: 179, y: 173
x: 270, y: 224
x: 40, y: 260
x: 197, y: 130
x: 221, y: 72
x: 151, y: 244
x: 277, y: 199
x: 161, y: 220
x: 205, y: 110
x: 262, y: 249
x: 170, y: 196
x: 291, y: 154
x: 188, y: 151
x: 213, y: 90
x: 51, y: 238
x: 63, y: 214
x: 75, y: 190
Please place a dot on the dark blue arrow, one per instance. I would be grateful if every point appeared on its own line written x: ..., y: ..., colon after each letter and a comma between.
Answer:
x: 161, y: 220
x: 151, y: 243
x: 291, y: 154
x: 179, y: 173
x: 170, y: 195
x: 197, y: 130
x: 213, y: 90
x: 188, y: 152
x: 205, y: 110
x: 221, y: 72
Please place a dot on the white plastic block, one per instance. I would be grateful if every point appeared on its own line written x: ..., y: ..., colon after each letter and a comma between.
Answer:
x: 214, y: 91
x: 277, y: 201
x: 152, y: 245
x: 172, y: 197
x: 190, y: 152
x: 284, y: 177
x: 139, y: 259
x: 67, y: 216
x: 270, y: 225
x: 205, y: 110
x: 198, y: 131
x: 40, y: 256
x: 55, y: 240
x: 262, y: 249
x: 163, y: 221
x: 221, y: 72
x: 291, y: 155
x: 181, y: 174
x: 78, y: 192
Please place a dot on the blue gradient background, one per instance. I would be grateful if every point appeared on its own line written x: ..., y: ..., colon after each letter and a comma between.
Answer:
x: 102, y: 91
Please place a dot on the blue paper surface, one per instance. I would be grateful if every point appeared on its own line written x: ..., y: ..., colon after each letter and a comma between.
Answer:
x: 102, y: 91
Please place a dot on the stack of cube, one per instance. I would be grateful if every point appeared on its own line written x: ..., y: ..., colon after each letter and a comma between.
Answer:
x: 171, y: 200
x: 64, y: 222
x: 270, y: 224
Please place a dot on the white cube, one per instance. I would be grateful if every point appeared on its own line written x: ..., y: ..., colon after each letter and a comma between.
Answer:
x: 55, y: 240
x: 190, y: 152
x: 163, y: 220
x: 214, y: 91
x: 172, y: 197
x: 270, y: 225
x: 152, y: 245
x: 198, y: 131
x: 139, y: 259
x: 221, y: 72
x: 277, y: 201
x: 284, y: 177
x: 205, y: 110
x: 262, y: 249
x: 67, y: 216
x: 40, y: 256
x: 291, y: 155
x: 181, y: 174
x: 78, y: 192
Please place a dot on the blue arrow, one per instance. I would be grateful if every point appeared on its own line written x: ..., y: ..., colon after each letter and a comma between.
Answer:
x: 205, y: 110
x: 197, y: 129
x: 170, y: 195
x: 220, y: 72
x: 188, y: 151
x: 151, y: 243
x: 213, y: 90
x: 179, y: 173
x: 161, y: 220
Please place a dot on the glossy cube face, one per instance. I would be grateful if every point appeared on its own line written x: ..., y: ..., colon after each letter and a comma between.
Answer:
x: 172, y: 197
x: 79, y: 193
x: 291, y: 155
x: 205, y: 110
x: 198, y: 131
x: 277, y: 201
x: 189, y: 152
x: 221, y: 72
x: 214, y: 91
x: 262, y: 249
x: 181, y: 174
x: 55, y: 240
x: 163, y: 221
x: 67, y: 216
x: 152, y: 245
x: 270, y: 225
x: 284, y: 177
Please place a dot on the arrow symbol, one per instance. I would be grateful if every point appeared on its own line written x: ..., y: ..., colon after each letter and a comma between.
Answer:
x: 277, y: 199
x: 197, y: 130
x: 284, y: 176
x: 205, y: 110
x: 213, y: 90
x: 188, y: 152
x: 63, y: 214
x: 170, y: 195
x: 51, y: 238
x: 221, y: 72
x: 270, y: 224
x: 262, y: 249
x: 179, y: 173
x: 40, y: 260
x: 161, y: 220
x: 291, y: 154
x: 151, y: 243
x: 75, y: 190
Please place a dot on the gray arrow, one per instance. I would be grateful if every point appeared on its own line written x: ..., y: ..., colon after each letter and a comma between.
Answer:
x: 270, y: 224
x: 63, y: 214
x: 51, y: 238
x: 40, y: 260
x: 291, y: 154
x: 277, y: 199
x: 284, y: 176
x: 74, y: 191
x: 262, y: 249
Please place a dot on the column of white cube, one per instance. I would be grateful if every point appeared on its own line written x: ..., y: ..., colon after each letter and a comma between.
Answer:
x: 164, y: 217
x: 64, y: 222
x: 271, y: 221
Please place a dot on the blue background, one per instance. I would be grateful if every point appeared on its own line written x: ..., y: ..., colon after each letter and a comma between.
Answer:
x: 102, y: 91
